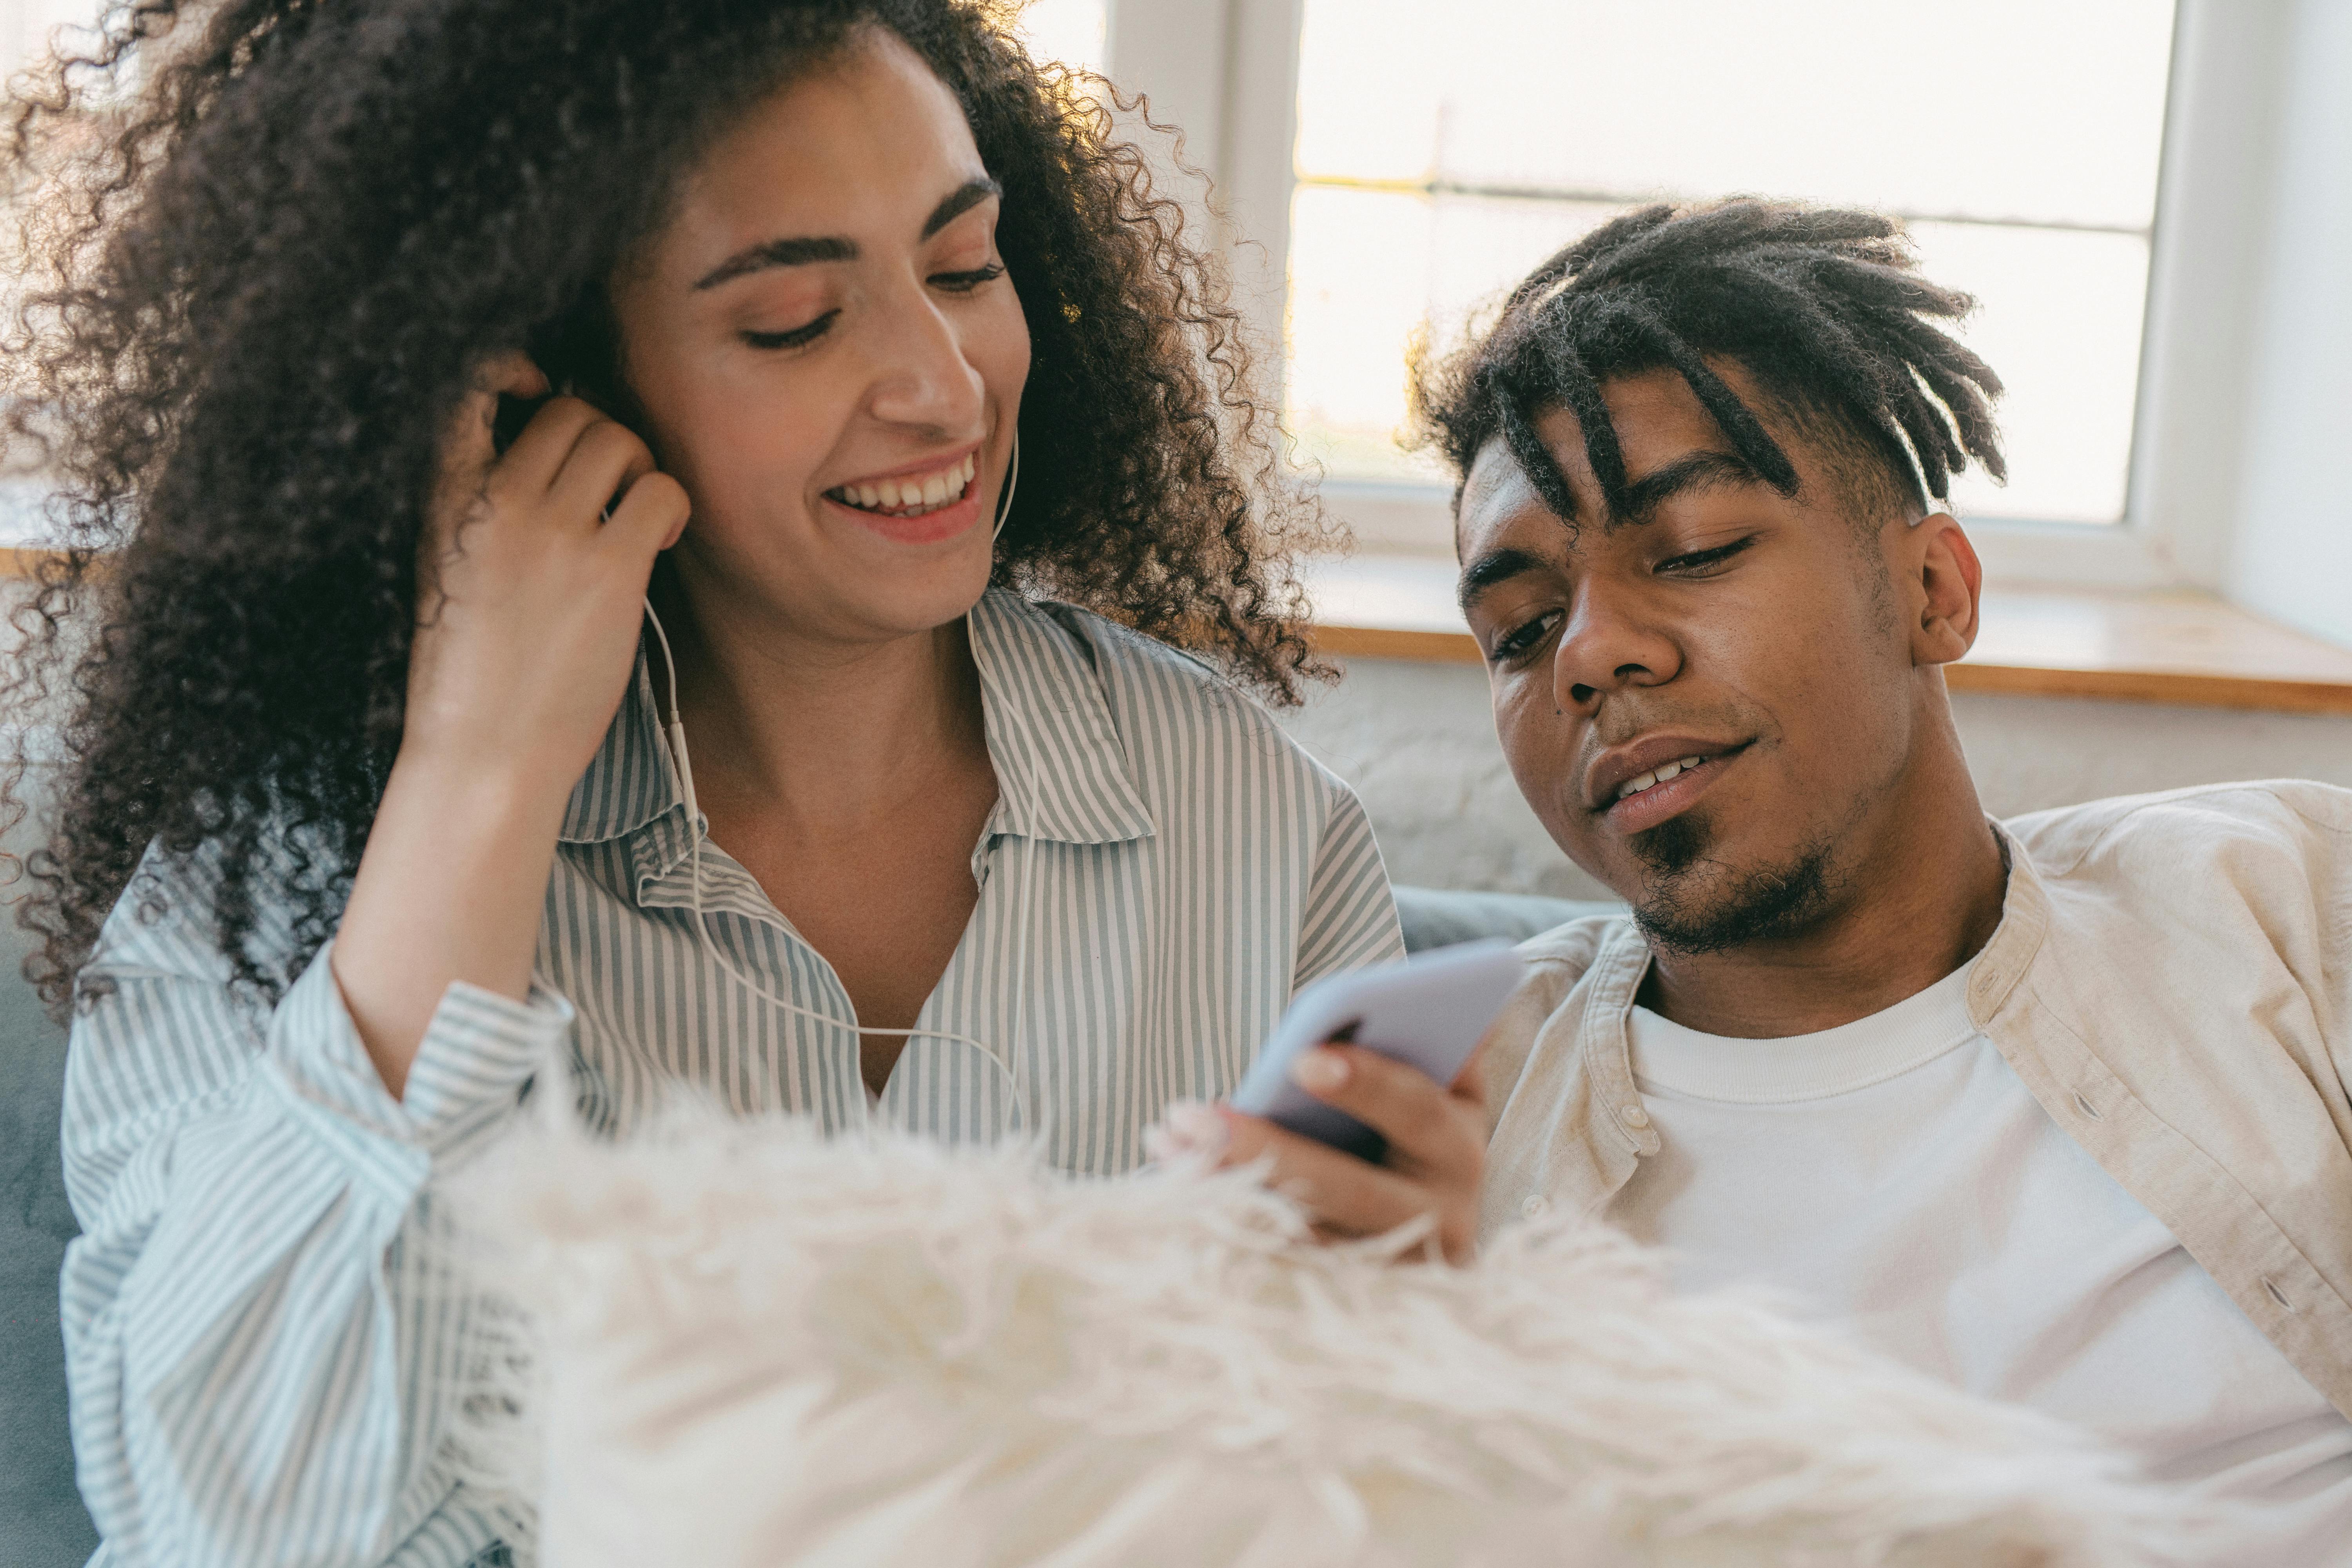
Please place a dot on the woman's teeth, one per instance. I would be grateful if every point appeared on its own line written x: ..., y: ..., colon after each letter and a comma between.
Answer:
x: 912, y: 496
x: 1665, y: 771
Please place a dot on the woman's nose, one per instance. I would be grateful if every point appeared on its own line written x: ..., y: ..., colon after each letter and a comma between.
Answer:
x: 922, y: 375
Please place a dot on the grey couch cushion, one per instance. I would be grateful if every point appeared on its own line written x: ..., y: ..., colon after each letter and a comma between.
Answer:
x: 1438, y: 917
x: 42, y: 1524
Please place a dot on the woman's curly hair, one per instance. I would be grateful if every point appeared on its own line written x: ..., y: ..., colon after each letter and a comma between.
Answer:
x: 264, y: 246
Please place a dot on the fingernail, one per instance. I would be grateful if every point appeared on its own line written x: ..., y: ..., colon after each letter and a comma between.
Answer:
x: 1320, y: 1070
x: 1196, y: 1126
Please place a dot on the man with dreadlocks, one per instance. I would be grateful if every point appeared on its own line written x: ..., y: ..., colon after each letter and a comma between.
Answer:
x: 2056, y: 1107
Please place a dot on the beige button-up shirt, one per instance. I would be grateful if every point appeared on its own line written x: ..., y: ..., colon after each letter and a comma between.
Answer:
x: 2172, y: 979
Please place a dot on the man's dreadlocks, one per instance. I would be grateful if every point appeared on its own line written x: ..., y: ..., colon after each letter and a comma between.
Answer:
x: 1824, y: 309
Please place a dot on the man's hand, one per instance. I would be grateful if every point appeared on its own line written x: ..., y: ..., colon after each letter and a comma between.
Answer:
x: 1436, y: 1147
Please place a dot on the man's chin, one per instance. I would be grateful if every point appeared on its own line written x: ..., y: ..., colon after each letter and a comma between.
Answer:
x: 1695, y: 897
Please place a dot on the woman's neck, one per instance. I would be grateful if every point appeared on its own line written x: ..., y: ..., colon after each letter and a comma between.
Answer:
x: 831, y: 735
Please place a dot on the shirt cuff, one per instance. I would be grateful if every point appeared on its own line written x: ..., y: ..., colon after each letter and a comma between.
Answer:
x: 480, y: 1050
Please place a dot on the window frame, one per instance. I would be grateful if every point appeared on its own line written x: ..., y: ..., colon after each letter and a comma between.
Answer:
x: 1228, y: 69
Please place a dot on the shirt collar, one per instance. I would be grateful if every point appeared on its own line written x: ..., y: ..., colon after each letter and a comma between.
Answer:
x: 629, y: 782
x: 1062, y: 770
x: 2017, y: 940
x: 1618, y: 970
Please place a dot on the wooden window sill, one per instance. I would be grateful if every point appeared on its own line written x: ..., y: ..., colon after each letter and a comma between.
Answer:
x: 2174, y: 647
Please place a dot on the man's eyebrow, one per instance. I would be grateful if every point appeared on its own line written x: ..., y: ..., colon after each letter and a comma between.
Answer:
x: 966, y: 196
x: 1691, y: 471
x: 1494, y: 567
x: 802, y: 252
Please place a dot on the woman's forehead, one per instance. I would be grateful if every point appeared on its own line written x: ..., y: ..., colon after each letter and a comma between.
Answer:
x: 862, y: 147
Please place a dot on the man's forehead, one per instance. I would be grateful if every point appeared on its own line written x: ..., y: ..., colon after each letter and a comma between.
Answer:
x: 1496, y: 486
x: 1499, y: 502
x: 1659, y: 423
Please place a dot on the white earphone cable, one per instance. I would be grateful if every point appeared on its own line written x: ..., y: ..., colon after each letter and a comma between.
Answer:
x: 1011, y: 483
x: 682, y: 771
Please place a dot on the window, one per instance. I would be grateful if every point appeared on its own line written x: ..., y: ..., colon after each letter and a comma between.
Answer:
x: 1070, y: 31
x: 25, y: 26
x: 1441, y: 152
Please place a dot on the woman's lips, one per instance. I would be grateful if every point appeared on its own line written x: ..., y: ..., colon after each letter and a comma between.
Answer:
x: 922, y: 491
x: 918, y: 524
x: 1667, y: 797
x: 922, y: 527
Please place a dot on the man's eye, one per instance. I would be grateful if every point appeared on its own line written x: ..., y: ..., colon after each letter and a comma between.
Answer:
x: 1521, y: 640
x: 1698, y: 561
x: 795, y: 338
x: 965, y: 282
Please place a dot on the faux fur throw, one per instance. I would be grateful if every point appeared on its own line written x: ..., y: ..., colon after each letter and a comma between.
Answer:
x: 750, y: 1346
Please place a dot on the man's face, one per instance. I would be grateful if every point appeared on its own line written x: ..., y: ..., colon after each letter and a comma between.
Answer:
x: 1710, y: 702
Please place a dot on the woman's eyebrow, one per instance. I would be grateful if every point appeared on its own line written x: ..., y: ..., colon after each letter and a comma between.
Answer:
x: 966, y: 196
x: 801, y: 252
x: 779, y: 253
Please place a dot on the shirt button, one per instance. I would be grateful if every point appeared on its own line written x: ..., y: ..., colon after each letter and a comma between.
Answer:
x: 1636, y: 1117
x: 1533, y: 1204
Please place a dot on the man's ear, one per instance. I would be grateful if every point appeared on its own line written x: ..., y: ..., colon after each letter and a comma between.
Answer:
x: 1951, y: 586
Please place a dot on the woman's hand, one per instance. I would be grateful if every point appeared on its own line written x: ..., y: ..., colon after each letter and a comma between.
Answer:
x: 528, y: 600
x: 528, y: 604
x: 1436, y: 1159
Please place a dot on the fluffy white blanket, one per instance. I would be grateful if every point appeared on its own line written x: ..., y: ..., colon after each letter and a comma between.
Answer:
x: 744, y: 1345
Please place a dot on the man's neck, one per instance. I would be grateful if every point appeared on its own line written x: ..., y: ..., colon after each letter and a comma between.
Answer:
x: 1920, y: 899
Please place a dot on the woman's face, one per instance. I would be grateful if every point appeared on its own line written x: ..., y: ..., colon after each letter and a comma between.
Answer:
x: 830, y: 357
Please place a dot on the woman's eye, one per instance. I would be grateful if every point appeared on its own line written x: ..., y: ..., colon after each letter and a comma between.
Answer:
x: 965, y: 282
x: 1521, y: 640
x: 795, y: 338
x: 1698, y: 561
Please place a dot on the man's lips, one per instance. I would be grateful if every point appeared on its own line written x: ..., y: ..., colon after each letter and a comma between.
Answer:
x: 1638, y: 786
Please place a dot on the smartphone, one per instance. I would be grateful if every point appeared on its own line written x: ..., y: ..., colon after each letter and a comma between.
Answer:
x: 1429, y: 1011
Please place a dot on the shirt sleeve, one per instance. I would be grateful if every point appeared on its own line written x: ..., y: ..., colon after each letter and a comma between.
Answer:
x: 258, y: 1357
x: 1351, y: 917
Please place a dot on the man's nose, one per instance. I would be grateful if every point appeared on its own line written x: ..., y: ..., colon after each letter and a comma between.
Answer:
x: 1609, y: 645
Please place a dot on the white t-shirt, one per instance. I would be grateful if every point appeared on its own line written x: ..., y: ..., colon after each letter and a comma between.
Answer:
x: 1896, y: 1175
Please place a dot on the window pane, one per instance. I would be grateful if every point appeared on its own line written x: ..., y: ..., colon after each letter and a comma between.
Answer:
x: 2059, y: 317
x: 1070, y: 31
x: 1442, y: 152
x: 25, y: 26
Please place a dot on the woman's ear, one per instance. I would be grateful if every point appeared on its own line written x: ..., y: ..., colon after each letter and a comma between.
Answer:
x: 1952, y: 583
x: 580, y: 351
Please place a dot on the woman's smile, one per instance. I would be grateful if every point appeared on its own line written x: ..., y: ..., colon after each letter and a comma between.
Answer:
x: 923, y: 507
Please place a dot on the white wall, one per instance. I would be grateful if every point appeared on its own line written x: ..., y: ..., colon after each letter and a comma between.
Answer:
x: 2292, y: 556
x: 1417, y: 742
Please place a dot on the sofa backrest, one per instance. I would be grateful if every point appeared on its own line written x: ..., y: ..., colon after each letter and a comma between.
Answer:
x: 42, y: 1523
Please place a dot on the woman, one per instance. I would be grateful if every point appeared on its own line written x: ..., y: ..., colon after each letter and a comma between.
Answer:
x: 388, y: 799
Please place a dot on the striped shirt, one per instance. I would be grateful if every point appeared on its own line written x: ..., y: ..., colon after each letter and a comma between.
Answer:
x: 259, y: 1368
